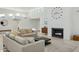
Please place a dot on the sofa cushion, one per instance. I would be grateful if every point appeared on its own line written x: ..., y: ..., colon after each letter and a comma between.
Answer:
x: 27, y: 35
x: 21, y: 40
x: 30, y: 39
x: 12, y: 36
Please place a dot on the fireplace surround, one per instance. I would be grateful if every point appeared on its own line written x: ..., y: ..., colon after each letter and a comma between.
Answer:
x: 57, y: 32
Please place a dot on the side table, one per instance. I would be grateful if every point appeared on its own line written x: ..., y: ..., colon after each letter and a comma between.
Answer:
x: 76, y: 37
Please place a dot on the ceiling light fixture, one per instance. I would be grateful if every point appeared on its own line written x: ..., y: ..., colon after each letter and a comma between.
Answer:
x: 17, y: 14
x: 10, y: 14
x: 2, y: 15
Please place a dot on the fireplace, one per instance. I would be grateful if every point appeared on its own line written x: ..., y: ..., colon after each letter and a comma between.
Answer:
x: 57, y: 32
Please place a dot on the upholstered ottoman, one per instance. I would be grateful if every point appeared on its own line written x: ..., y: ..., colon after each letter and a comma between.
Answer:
x: 47, y: 40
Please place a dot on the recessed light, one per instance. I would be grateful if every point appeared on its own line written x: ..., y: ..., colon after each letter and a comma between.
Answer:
x: 10, y: 14
x: 17, y: 14
x: 1, y: 15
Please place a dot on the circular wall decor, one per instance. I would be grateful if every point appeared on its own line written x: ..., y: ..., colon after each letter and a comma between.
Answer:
x: 57, y: 13
x: 3, y: 22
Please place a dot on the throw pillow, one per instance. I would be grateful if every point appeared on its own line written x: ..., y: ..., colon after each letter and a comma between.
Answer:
x: 15, y: 32
x: 12, y: 36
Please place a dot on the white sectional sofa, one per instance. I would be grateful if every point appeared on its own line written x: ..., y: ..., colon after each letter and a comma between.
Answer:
x: 13, y: 46
x: 1, y: 43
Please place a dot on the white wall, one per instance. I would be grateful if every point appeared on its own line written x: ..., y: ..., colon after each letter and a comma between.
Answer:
x: 35, y: 23
x: 64, y: 22
x: 67, y: 23
x: 29, y: 23
x: 45, y: 15
x: 52, y: 23
x: 75, y: 19
x: 11, y: 23
x: 23, y: 23
x: 35, y: 13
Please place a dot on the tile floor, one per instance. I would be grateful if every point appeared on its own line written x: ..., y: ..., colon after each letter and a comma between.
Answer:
x: 60, y: 45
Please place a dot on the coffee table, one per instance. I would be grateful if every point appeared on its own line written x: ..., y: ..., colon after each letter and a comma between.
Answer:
x: 47, y: 40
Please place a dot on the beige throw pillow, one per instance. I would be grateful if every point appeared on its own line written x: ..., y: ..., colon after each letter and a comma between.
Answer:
x: 12, y: 36
x: 15, y: 32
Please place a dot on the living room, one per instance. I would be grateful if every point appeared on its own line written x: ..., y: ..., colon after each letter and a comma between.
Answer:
x: 55, y: 24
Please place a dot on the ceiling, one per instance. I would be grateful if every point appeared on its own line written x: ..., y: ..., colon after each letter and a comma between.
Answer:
x: 20, y: 9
